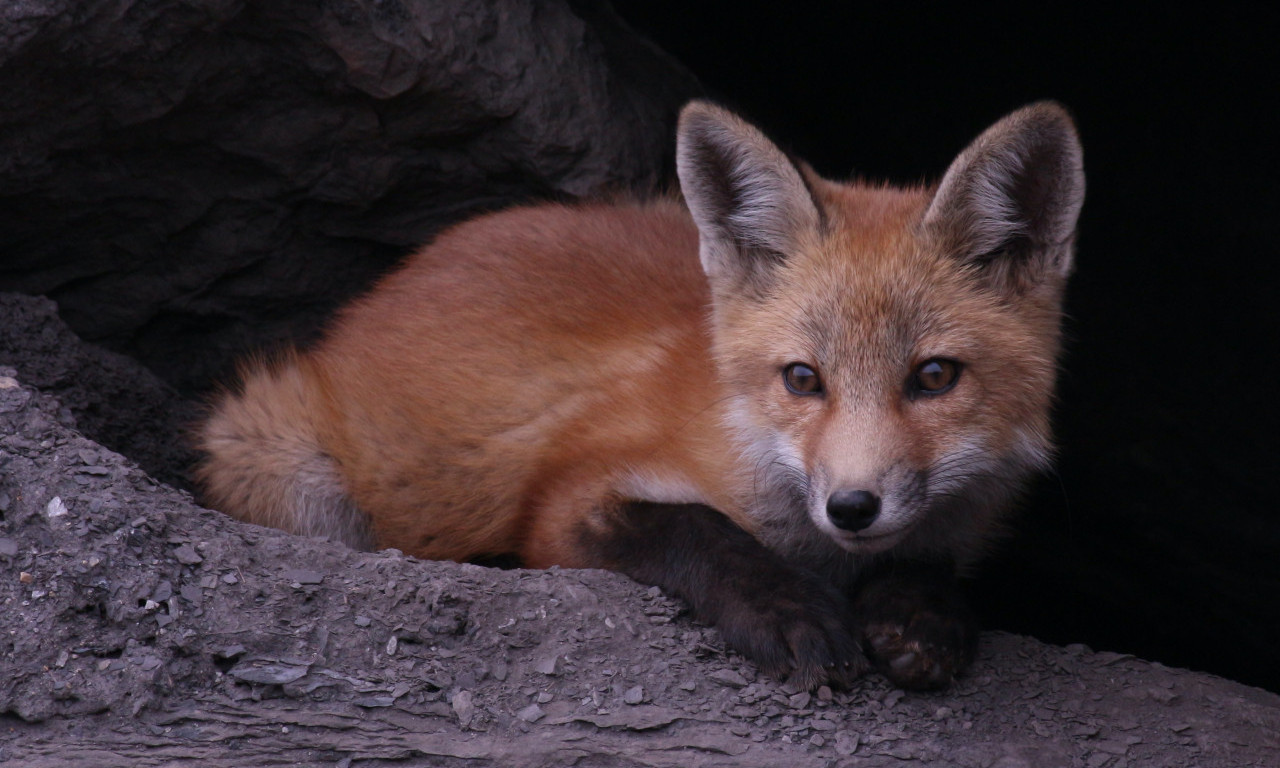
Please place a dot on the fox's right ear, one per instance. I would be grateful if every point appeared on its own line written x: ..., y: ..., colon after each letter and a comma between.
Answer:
x: 748, y: 199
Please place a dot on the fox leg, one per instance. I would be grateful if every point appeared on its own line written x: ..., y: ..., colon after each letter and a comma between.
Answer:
x: 787, y: 620
x: 919, y: 630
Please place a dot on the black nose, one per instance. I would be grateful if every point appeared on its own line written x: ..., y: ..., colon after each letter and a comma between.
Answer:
x: 853, y: 510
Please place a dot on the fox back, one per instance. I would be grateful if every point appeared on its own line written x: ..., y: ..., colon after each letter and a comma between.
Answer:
x: 841, y: 371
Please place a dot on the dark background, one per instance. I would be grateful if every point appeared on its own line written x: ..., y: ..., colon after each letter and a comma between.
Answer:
x: 1158, y: 535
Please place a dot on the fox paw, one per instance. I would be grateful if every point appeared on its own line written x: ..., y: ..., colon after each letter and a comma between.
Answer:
x: 921, y: 635
x: 803, y: 634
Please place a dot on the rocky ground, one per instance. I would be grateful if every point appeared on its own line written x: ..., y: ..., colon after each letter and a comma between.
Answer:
x: 138, y: 629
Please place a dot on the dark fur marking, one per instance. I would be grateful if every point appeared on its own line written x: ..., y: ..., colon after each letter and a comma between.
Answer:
x: 917, y: 627
x: 788, y: 620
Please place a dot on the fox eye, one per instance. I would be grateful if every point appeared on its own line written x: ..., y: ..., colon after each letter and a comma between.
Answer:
x: 934, y: 376
x: 801, y: 380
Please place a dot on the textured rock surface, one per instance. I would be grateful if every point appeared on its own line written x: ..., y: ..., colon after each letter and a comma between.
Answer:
x: 137, y: 629
x: 188, y: 176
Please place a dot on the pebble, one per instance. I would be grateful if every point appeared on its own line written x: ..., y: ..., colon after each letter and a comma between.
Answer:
x: 729, y: 677
x: 463, y: 707
x: 270, y: 672
x: 8, y: 547
x: 302, y: 576
x: 549, y: 665
x: 634, y: 695
x: 846, y: 743
x: 531, y: 714
x: 187, y: 555
x: 55, y: 507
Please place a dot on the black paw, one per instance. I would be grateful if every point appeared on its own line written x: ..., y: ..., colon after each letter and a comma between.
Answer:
x: 919, y: 630
x: 798, y: 629
x: 789, y: 621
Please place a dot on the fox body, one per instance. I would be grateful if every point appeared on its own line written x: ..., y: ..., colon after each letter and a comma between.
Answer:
x: 798, y: 404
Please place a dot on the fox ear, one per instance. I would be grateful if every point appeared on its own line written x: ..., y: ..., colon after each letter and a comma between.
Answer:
x: 1010, y: 201
x: 750, y: 204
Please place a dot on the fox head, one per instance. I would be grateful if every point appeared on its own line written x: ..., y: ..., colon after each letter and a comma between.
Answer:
x: 889, y: 353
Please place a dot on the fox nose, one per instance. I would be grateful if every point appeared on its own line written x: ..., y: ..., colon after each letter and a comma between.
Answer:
x: 853, y: 510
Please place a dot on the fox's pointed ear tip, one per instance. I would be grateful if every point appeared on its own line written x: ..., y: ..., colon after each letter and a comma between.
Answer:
x: 702, y: 112
x: 1046, y: 112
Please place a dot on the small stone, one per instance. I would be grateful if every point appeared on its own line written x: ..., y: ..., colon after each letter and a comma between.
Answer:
x: 392, y: 643
x: 232, y: 651
x: 499, y: 671
x: 271, y: 672
x: 824, y: 694
x: 187, y: 555
x: 463, y: 707
x: 729, y: 677
x: 817, y: 740
x: 531, y: 714
x: 846, y: 743
x: 363, y: 621
x: 163, y: 591
x: 55, y: 507
x: 230, y: 578
x: 688, y: 685
x: 548, y: 666
x: 799, y: 701
x: 545, y: 697
x: 303, y: 576
x: 8, y: 547
x: 634, y: 695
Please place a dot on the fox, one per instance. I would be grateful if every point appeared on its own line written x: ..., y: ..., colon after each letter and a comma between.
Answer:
x: 804, y: 407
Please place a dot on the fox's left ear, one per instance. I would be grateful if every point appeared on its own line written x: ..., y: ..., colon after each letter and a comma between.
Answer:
x: 1010, y: 201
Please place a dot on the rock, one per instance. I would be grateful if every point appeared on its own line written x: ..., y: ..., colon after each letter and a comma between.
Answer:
x: 729, y: 677
x: 268, y: 671
x: 189, y: 175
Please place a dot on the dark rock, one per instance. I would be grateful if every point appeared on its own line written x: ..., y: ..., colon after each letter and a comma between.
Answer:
x: 191, y: 178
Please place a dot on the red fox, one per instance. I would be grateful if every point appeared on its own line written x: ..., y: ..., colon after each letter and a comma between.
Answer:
x: 799, y: 405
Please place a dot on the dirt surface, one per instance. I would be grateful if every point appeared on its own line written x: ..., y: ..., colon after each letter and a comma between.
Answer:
x: 138, y: 629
